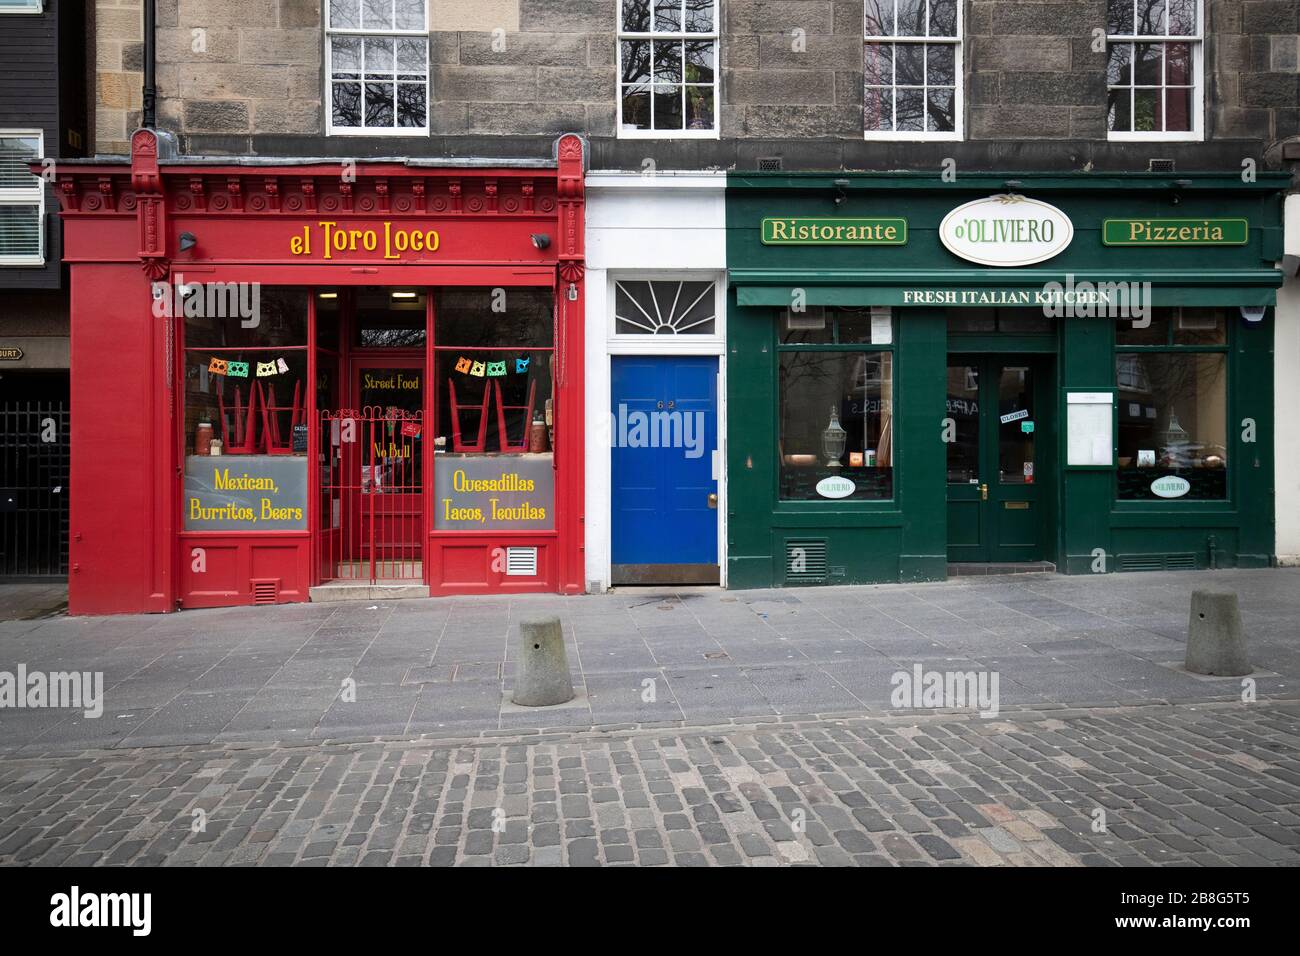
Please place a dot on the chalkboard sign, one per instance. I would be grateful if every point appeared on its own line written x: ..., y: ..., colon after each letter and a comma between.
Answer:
x: 299, y: 438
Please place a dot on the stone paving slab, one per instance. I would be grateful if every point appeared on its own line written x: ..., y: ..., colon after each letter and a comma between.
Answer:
x: 692, y: 656
x: 1159, y: 785
x: 30, y: 601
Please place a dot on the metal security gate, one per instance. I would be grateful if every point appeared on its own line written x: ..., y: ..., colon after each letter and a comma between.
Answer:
x: 33, y: 489
x: 372, y: 496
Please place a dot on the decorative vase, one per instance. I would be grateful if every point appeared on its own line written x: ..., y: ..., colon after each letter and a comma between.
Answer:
x: 834, y: 438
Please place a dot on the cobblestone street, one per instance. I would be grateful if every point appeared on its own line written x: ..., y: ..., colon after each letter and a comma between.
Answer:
x: 1199, y: 784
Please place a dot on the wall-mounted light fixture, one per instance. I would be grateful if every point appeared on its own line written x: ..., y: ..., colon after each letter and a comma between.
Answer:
x: 841, y: 197
x: 404, y: 295
x: 188, y: 241
x: 541, y: 240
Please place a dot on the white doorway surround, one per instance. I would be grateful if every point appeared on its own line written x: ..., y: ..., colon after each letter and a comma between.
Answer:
x: 661, y: 227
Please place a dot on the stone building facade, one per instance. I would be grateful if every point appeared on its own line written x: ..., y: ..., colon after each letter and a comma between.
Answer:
x: 507, y: 76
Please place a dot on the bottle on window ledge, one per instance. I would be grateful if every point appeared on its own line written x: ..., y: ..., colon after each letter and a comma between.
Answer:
x: 537, y: 437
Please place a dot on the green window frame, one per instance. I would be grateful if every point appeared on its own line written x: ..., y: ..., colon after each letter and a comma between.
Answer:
x: 1173, y: 426
x: 802, y: 461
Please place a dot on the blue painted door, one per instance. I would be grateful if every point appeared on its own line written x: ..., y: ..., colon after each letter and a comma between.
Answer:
x: 664, y: 435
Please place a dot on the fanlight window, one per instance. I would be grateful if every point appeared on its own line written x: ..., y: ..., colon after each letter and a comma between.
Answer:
x: 664, y: 308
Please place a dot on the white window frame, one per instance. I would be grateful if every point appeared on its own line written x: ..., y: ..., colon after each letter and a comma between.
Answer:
x: 35, y: 6
x: 958, y: 42
x: 679, y: 340
x: 638, y: 343
x: 713, y: 36
x: 327, y: 104
x: 1197, y: 42
x: 31, y: 196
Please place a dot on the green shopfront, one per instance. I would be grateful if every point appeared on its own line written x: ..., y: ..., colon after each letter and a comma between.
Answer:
x: 1004, y: 371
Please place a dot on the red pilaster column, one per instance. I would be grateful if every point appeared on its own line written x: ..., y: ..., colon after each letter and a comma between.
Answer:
x: 572, y: 414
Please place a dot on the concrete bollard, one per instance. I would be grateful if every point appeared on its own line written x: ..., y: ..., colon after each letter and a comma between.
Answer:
x: 542, y: 670
x: 1216, y: 644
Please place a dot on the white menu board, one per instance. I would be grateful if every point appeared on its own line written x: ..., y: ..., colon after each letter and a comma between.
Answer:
x: 1090, y: 431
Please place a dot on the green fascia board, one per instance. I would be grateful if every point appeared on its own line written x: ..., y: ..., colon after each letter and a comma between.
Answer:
x: 1004, y: 278
x: 771, y: 288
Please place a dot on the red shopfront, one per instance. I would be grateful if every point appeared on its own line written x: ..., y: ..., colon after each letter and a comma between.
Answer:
x: 319, y: 374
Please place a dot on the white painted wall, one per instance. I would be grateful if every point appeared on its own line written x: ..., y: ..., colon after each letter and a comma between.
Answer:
x: 668, y: 225
x: 1286, y: 390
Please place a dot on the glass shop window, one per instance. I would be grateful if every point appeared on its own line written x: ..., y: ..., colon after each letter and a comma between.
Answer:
x: 245, y: 369
x: 328, y: 320
x: 837, y: 325
x: 1173, y: 407
x: 964, y: 409
x: 664, y: 307
x: 836, y: 421
x: 390, y: 318
x: 1175, y: 326
x: 246, y: 404
x: 1007, y: 321
x: 1015, y: 448
x: 494, y: 371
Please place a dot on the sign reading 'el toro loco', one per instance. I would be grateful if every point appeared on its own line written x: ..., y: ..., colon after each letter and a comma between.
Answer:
x: 329, y: 238
x: 1007, y: 230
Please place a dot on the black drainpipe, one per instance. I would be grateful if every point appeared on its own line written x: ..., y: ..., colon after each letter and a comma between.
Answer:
x: 149, y: 105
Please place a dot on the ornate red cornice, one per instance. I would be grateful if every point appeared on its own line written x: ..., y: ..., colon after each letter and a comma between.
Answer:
x: 155, y: 191
x: 387, y: 189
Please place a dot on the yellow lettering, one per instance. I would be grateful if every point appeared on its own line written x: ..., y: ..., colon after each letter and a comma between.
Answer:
x: 326, y: 231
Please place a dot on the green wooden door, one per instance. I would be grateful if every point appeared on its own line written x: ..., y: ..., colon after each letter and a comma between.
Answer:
x: 996, y: 498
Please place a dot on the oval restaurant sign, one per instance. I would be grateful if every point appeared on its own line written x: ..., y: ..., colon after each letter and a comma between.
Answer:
x: 1006, y: 231
x: 1170, y: 486
x: 836, y: 487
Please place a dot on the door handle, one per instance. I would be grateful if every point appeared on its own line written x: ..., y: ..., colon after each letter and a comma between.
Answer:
x: 713, y: 500
x: 984, y: 492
